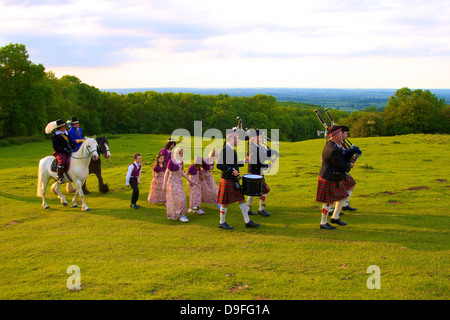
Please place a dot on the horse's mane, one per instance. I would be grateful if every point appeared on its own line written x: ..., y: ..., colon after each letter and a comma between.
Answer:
x: 83, y: 145
x: 101, y: 144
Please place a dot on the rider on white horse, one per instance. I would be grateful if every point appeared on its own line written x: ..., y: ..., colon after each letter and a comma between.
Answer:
x: 63, y: 146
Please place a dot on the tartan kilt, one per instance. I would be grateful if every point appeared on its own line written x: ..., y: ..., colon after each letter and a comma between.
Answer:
x: 265, y: 188
x: 329, y: 191
x: 228, y: 193
x: 348, y: 182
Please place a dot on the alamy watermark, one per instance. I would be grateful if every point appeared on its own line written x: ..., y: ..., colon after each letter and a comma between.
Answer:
x: 374, y: 281
x: 257, y: 151
x: 74, y: 281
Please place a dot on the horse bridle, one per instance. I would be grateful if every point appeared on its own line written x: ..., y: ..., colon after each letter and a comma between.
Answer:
x: 104, y: 153
x: 89, y: 152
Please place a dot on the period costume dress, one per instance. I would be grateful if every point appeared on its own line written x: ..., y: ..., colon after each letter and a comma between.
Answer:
x: 209, y: 187
x: 195, y: 191
x: 157, y: 194
x: 176, y: 201
x: 167, y: 155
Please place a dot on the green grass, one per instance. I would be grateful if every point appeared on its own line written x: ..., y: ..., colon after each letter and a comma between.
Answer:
x: 402, y: 196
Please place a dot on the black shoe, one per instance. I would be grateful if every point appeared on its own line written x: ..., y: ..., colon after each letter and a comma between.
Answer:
x: 251, y: 224
x: 327, y: 226
x: 348, y: 208
x: 338, y: 222
x: 225, y: 226
x: 330, y: 213
x: 251, y: 213
x: 134, y: 206
x: 264, y: 213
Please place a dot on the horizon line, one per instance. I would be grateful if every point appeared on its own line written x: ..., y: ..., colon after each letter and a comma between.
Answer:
x: 295, y: 88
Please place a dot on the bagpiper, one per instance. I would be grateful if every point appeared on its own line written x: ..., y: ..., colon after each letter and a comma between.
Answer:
x: 256, y: 166
x: 230, y: 190
x: 330, y: 189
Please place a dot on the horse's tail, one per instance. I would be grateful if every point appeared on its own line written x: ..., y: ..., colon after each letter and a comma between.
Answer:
x: 39, y: 184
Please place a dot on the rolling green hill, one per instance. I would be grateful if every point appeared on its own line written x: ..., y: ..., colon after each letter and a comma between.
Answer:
x: 401, y: 226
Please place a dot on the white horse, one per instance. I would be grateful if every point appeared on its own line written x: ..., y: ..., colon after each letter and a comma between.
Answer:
x: 78, y: 172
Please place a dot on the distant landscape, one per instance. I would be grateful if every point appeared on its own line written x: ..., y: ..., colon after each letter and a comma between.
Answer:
x: 367, y: 112
x: 342, y: 99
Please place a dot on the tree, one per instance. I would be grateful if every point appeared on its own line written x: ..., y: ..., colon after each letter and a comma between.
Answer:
x: 415, y: 111
x: 23, y: 92
x: 369, y: 125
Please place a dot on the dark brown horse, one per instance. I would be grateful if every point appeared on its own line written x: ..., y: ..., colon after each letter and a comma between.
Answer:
x: 95, y: 167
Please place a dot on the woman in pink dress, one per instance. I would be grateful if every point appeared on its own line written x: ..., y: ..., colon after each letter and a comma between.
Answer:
x: 157, y: 194
x: 208, y: 184
x: 195, y: 191
x: 176, y: 202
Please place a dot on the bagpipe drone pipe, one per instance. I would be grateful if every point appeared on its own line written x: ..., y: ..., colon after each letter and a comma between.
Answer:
x: 351, y: 152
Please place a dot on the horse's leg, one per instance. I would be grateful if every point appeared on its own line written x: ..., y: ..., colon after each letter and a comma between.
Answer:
x: 70, y: 188
x: 91, y: 170
x: 79, y: 185
x: 43, y: 191
x: 97, y: 169
x: 59, y: 193
x: 53, y: 188
x: 103, y: 188
x: 84, y: 188
x: 74, y: 199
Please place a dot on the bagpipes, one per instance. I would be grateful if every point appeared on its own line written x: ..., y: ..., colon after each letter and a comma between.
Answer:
x: 351, y: 152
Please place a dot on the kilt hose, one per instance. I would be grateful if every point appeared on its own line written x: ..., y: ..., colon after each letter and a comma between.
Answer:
x: 348, y: 182
x: 228, y: 193
x: 329, y: 191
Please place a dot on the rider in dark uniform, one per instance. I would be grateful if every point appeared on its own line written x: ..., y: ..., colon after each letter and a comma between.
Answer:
x: 63, y: 146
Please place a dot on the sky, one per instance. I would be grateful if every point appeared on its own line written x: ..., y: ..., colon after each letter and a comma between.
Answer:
x: 236, y: 43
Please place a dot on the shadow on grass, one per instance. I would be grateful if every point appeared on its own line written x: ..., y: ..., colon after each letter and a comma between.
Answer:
x: 301, y: 223
x: 20, y: 198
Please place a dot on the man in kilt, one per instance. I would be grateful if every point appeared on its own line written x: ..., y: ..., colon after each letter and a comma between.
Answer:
x: 330, y: 188
x: 348, y: 181
x: 256, y: 166
x: 230, y: 190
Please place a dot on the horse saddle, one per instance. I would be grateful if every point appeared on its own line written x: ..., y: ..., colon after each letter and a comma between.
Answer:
x: 54, y: 167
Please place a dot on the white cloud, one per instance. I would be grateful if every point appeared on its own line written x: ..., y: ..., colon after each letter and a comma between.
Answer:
x: 236, y: 42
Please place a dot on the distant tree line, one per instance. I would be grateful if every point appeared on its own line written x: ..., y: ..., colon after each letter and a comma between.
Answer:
x: 30, y: 97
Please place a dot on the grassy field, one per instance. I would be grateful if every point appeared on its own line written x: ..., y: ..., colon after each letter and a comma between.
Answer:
x: 401, y: 226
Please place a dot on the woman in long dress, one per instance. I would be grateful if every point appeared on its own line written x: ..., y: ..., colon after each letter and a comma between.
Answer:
x: 176, y: 202
x: 157, y: 194
x: 195, y: 191
x: 208, y: 184
x: 167, y: 150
